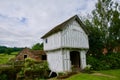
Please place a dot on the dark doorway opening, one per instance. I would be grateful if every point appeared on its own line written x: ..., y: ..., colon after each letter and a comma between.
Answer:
x: 75, y: 59
x: 25, y: 56
x: 44, y: 57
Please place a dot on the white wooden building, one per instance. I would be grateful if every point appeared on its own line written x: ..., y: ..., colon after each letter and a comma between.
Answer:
x: 66, y: 45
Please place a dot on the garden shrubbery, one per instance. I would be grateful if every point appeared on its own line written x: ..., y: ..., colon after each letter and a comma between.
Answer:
x: 3, y: 77
x: 104, y: 62
x: 33, y: 69
x: 8, y: 72
x: 28, y: 69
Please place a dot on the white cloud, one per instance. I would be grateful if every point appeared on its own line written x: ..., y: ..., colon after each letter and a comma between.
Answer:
x: 23, y: 22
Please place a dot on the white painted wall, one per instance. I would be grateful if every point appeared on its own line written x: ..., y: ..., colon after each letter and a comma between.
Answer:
x: 83, y: 58
x: 74, y: 36
x: 66, y: 60
x: 55, y: 61
x: 53, y: 41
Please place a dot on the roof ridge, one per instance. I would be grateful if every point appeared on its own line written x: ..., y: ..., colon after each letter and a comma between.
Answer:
x: 61, y: 25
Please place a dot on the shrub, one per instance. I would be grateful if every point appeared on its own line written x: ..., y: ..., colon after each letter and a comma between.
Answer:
x: 9, y: 73
x: 3, y: 77
x: 33, y: 68
x: 87, y: 69
x: 105, y: 62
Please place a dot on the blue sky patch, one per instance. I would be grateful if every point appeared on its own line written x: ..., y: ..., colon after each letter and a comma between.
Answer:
x: 23, y: 20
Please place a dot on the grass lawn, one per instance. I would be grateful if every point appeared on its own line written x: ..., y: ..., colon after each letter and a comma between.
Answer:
x: 5, y: 57
x: 98, y: 75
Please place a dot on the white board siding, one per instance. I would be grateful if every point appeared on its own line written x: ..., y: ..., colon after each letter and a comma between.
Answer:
x: 53, y: 42
x: 55, y: 61
x: 66, y: 60
x: 83, y: 58
x: 74, y: 36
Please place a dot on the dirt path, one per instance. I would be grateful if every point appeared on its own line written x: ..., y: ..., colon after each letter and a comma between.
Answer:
x: 105, y: 75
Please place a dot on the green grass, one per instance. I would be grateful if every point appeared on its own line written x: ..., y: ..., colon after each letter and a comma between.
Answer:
x: 104, y: 75
x: 115, y: 73
x: 82, y: 76
x: 4, y: 58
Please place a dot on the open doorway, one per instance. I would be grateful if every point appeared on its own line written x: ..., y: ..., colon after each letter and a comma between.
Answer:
x: 75, y: 59
x: 44, y: 57
x: 25, y: 56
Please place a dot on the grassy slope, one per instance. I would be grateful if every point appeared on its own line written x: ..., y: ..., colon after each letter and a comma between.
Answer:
x: 5, y: 57
x: 112, y: 75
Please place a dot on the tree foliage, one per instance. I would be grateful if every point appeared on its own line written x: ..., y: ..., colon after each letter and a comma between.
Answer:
x: 8, y: 50
x: 106, y: 17
x: 104, y: 27
x: 37, y: 46
x: 104, y: 32
x: 95, y: 41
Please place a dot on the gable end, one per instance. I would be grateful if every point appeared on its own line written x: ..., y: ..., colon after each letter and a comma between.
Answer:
x: 62, y: 25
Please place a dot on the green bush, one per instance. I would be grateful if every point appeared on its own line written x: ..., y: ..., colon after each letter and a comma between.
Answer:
x: 87, y: 69
x: 105, y: 62
x: 33, y: 68
x: 3, y: 77
x: 9, y: 73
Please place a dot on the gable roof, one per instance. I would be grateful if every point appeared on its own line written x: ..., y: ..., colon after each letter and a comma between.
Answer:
x: 62, y: 25
x: 33, y: 52
x: 37, y: 52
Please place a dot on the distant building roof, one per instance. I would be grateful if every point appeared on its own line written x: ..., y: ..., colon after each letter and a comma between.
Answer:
x: 62, y: 25
x: 35, y: 54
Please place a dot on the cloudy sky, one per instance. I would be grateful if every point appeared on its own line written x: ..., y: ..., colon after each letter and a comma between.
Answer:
x: 23, y: 22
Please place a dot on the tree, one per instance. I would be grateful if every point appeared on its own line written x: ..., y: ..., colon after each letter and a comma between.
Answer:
x: 95, y: 41
x: 104, y: 32
x: 106, y: 18
x: 2, y: 49
x: 37, y: 46
x: 8, y: 51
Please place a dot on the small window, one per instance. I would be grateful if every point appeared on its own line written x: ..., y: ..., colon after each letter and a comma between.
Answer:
x: 46, y: 41
x: 44, y: 57
x: 25, y: 56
